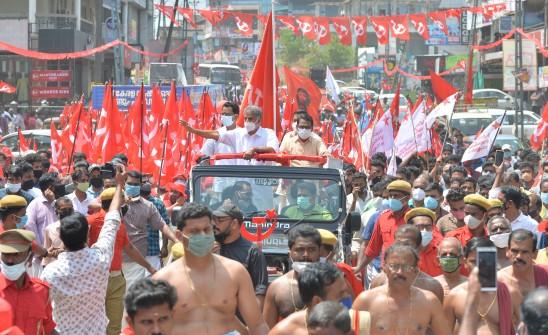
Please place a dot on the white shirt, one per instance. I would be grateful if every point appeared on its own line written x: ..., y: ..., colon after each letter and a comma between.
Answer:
x: 78, y: 282
x: 241, y: 141
x: 80, y: 207
x: 212, y: 147
x: 360, y: 204
x: 525, y: 222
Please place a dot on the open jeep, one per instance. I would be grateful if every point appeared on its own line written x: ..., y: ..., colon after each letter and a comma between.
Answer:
x: 285, y: 196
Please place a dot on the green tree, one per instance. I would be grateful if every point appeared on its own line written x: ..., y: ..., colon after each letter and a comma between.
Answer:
x: 299, y: 51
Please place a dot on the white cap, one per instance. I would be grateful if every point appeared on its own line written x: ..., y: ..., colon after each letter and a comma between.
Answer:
x: 506, y: 147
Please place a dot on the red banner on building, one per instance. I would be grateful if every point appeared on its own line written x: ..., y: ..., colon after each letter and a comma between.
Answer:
x: 50, y: 93
x: 50, y: 75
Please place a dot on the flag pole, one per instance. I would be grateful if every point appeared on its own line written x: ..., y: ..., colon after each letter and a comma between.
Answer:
x: 163, y: 157
x: 274, y: 91
x: 497, y: 134
x: 413, y: 126
x: 449, y: 126
x: 143, y: 106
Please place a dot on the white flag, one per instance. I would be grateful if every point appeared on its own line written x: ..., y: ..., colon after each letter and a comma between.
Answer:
x: 331, y: 86
x: 379, y: 138
x: 392, y: 166
x: 442, y: 109
x: 482, y: 144
x: 412, y: 137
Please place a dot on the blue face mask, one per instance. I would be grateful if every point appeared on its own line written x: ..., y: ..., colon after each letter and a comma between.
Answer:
x: 431, y: 203
x: 303, y: 202
x: 22, y: 222
x: 385, y: 204
x: 410, y: 203
x: 132, y: 191
x: 346, y: 302
x: 395, y: 204
x: 544, y: 197
x: 200, y: 245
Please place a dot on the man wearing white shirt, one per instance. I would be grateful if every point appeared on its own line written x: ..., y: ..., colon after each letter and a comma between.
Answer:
x: 229, y: 114
x: 80, y: 199
x: 251, y: 140
x: 511, y: 199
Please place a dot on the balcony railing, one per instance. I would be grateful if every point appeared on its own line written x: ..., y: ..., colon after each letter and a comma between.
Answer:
x: 56, y: 22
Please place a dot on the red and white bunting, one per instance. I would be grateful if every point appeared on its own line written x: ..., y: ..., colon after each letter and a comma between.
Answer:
x: 359, y: 24
x: 342, y: 28
x: 420, y: 25
x: 380, y: 25
x: 399, y: 27
x: 321, y: 27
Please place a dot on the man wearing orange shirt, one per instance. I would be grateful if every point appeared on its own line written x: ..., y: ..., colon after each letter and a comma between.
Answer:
x: 116, y: 288
x: 28, y: 296
x: 424, y: 219
x: 475, y: 209
x: 399, y: 192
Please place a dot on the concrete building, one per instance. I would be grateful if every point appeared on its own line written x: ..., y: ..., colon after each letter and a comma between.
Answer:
x: 62, y: 26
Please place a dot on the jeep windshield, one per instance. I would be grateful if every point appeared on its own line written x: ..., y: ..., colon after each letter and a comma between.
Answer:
x: 295, y: 196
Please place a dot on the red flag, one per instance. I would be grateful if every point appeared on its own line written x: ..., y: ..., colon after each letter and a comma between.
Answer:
x: 108, y: 137
x: 261, y: 88
x: 303, y: 94
x: 207, y: 117
x: 321, y: 27
x: 399, y: 26
x: 135, y: 128
x: 380, y: 25
x: 244, y: 23
x: 306, y: 26
x: 420, y: 25
x: 342, y: 27
x: 6, y: 88
x: 289, y: 22
x: 57, y: 152
x: 23, y: 145
x: 212, y: 16
x: 262, y: 18
x: 439, y: 19
x: 359, y: 23
x: 436, y: 142
x: 454, y: 12
x: 539, y: 136
x: 168, y: 12
x: 441, y: 88
x: 188, y: 14
x: 395, y: 108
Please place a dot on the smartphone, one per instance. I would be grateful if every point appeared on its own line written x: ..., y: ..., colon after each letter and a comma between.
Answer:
x: 499, y: 156
x: 486, y: 261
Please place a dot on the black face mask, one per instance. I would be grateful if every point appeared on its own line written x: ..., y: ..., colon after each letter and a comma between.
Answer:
x: 27, y: 185
x: 37, y: 173
x: 96, y: 182
x: 64, y: 214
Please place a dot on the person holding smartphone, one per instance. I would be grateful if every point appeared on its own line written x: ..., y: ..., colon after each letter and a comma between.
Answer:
x: 498, y: 309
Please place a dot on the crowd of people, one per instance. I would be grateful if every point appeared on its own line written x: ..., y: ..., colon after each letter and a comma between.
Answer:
x: 100, y: 251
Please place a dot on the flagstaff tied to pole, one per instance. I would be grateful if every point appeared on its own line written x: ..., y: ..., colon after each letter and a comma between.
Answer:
x: 143, y: 106
x: 163, y: 156
x: 274, y: 87
x: 75, y: 135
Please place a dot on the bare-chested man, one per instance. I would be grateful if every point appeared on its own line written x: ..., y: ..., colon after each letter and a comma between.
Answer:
x: 451, y: 259
x: 411, y: 236
x: 317, y: 282
x: 523, y: 276
x: 398, y: 307
x: 498, y: 311
x: 499, y: 230
x: 282, y: 297
x: 209, y: 287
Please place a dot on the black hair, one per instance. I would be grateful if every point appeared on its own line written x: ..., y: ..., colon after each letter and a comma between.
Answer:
x: 79, y: 156
x: 238, y: 185
x: 349, y: 167
x: 121, y: 157
x: 14, y: 171
x: 314, y: 279
x: 521, y: 235
x: 511, y: 194
x: 46, y: 181
x: 134, y: 174
x: 486, y: 181
x: 235, y: 108
x: 537, y: 200
x: 147, y: 293
x: 358, y: 175
x: 470, y: 180
x: 458, y: 169
x: 434, y: 187
x: 191, y: 211
x: 455, y: 195
x: 410, y: 228
x: 25, y: 167
x: 379, y: 156
x: 78, y: 174
x: 329, y: 313
x: 403, y: 170
x: 310, y: 187
x: 7, y: 211
x: 63, y: 199
x: 32, y: 158
x: 304, y: 231
x: 453, y: 159
x: 414, y: 172
x: 476, y: 242
x: 399, y: 248
x: 74, y: 231
x: 380, y: 186
x: 487, y: 164
x: 378, y: 163
x: 307, y: 118
x: 526, y: 164
x: 534, y: 311
x: 43, y: 151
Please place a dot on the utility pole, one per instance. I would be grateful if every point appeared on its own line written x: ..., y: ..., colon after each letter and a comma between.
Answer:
x: 118, y: 51
x: 184, y: 53
x: 518, y: 62
x: 170, y: 31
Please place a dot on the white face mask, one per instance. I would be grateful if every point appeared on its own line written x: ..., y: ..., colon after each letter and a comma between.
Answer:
x: 304, y: 133
x: 294, y: 126
x: 13, y: 188
x: 13, y: 272
x: 227, y: 120
x: 472, y: 222
x: 418, y: 194
x: 250, y: 126
x: 500, y: 240
x: 426, y: 237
